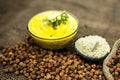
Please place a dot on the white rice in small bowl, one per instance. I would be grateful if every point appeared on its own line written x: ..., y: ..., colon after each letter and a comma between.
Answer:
x: 92, y: 47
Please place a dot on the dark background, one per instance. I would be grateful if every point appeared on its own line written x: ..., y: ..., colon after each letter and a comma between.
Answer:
x: 101, y: 17
x: 98, y: 17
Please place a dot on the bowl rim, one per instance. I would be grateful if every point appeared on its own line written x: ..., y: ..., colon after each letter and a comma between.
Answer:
x: 54, y: 38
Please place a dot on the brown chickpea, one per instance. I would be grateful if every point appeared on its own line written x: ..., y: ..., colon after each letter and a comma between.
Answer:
x: 36, y: 63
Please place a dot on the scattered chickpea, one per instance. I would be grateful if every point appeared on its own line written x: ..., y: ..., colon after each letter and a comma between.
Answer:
x: 114, y: 65
x: 17, y: 72
x: 17, y: 60
x: 48, y: 76
x: 4, y: 63
x: 35, y: 63
x: 6, y: 70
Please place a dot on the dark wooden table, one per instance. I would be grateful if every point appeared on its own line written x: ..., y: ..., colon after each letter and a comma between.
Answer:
x: 98, y: 17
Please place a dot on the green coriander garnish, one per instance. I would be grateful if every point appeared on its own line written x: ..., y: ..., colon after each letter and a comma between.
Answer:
x: 62, y: 18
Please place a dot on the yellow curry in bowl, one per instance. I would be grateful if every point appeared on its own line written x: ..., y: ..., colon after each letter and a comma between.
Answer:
x: 53, y: 29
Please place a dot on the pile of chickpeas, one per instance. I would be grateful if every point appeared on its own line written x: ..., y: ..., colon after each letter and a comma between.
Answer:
x: 114, y: 65
x: 35, y: 63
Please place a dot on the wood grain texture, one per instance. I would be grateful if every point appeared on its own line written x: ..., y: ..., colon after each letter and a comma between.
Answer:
x: 98, y: 17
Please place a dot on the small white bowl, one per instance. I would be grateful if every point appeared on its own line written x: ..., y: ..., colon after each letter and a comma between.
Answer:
x: 92, y: 47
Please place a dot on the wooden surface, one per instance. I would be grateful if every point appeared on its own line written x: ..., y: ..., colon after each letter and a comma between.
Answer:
x: 98, y: 17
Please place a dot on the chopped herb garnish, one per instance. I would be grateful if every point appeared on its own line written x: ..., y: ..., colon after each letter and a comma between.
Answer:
x: 62, y: 18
